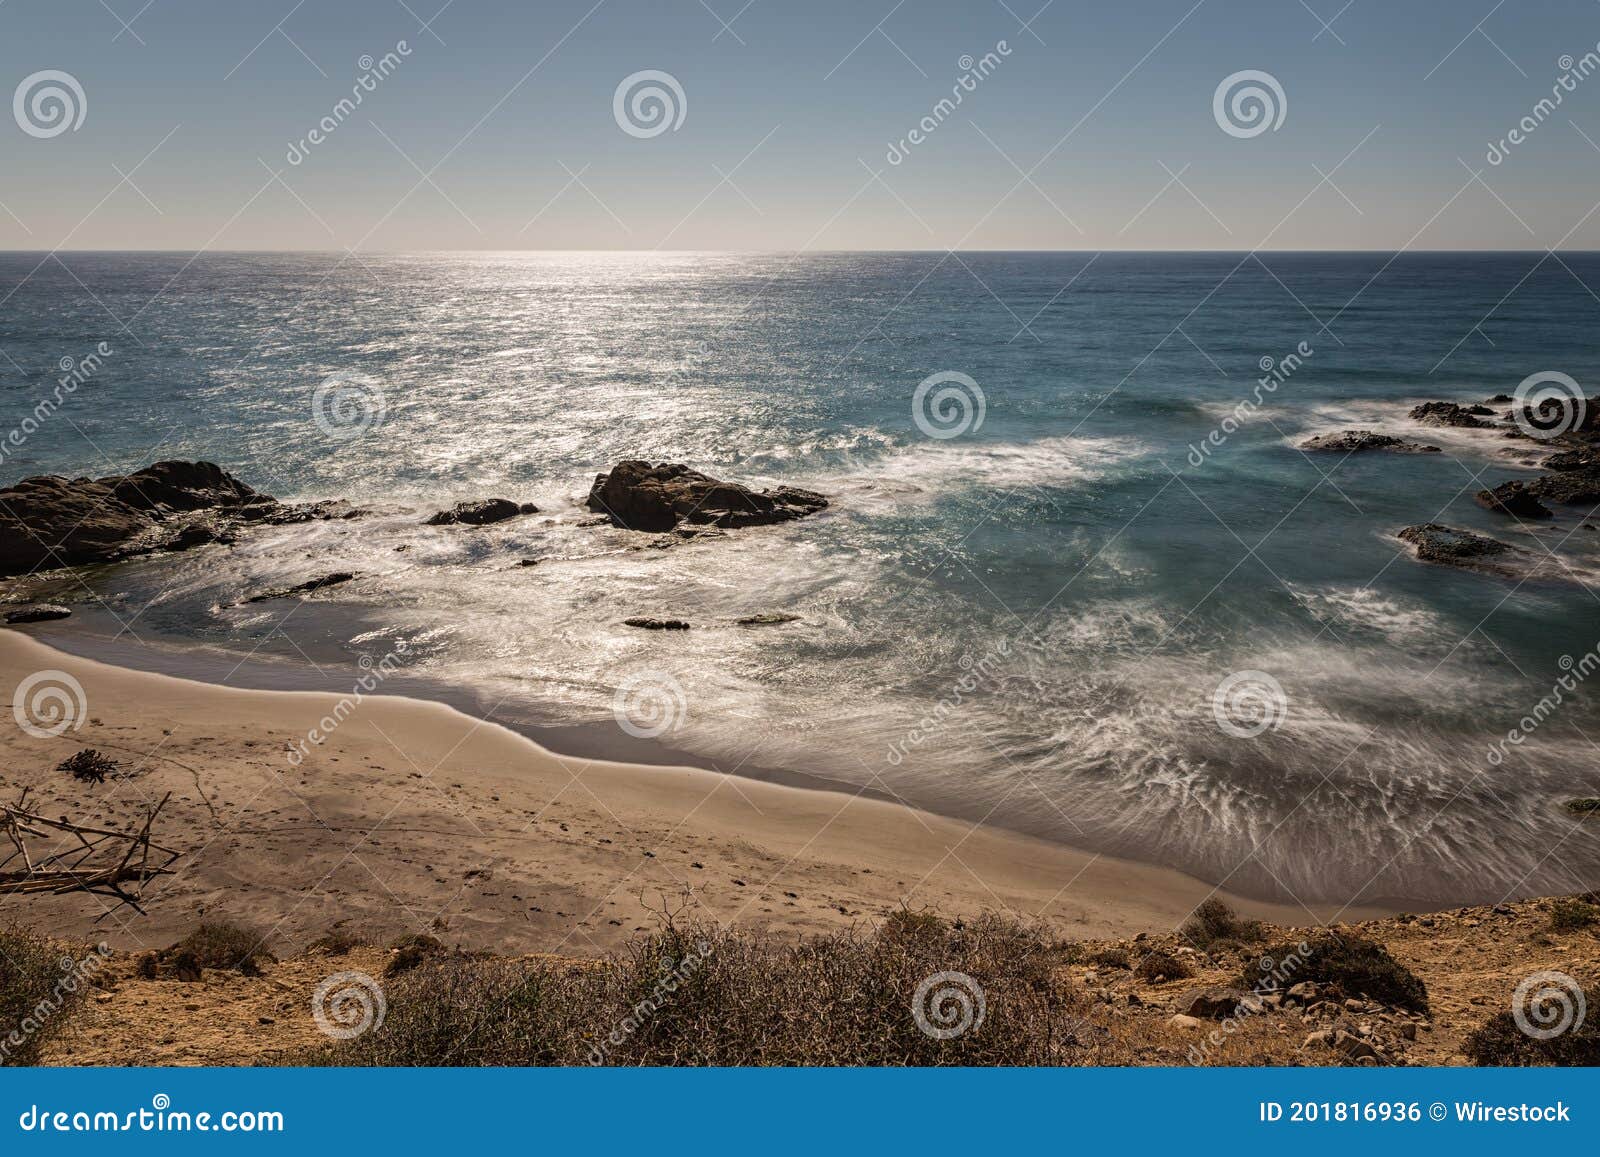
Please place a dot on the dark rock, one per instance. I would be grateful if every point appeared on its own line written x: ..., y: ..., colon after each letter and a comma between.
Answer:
x: 528, y: 562
x: 1452, y: 414
x: 656, y: 624
x: 38, y: 613
x: 1350, y: 441
x: 768, y: 618
x: 1514, y: 498
x: 274, y: 513
x: 481, y: 513
x: 305, y: 588
x: 1569, y: 487
x: 49, y: 521
x: 1499, y: 400
x: 1220, y: 1003
x: 173, y: 485
x: 199, y: 534
x: 639, y: 496
x: 1573, y: 460
x: 1451, y: 545
x: 1583, y: 807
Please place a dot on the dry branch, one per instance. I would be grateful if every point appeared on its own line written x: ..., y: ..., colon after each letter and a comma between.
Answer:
x: 100, y: 861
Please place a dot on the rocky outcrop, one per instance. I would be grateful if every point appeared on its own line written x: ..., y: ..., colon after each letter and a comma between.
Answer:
x: 639, y: 496
x: 1452, y: 414
x: 649, y: 624
x: 49, y: 521
x: 1572, y: 487
x: 1351, y: 441
x: 38, y: 613
x: 1452, y: 546
x: 1517, y: 499
x: 768, y: 619
x: 1220, y: 1003
x: 305, y: 588
x: 481, y: 513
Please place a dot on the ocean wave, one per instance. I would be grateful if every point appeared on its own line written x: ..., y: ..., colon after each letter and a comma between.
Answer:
x: 924, y: 472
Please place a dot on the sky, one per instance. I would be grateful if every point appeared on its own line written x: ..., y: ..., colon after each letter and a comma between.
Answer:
x: 497, y: 125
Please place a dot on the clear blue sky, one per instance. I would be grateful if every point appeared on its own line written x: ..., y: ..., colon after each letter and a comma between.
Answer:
x: 1107, y: 107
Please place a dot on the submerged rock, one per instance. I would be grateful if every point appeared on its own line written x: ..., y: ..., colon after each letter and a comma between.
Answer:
x: 1350, y: 441
x: 305, y: 588
x: 1583, y: 807
x: 768, y: 618
x: 38, y: 613
x: 649, y: 624
x: 1515, y: 498
x: 481, y: 513
x: 636, y: 495
x: 1452, y: 414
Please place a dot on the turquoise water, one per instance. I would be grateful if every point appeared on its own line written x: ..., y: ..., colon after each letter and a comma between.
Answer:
x: 1025, y: 622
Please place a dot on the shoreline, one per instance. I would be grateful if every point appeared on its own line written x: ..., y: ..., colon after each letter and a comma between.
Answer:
x: 415, y: 816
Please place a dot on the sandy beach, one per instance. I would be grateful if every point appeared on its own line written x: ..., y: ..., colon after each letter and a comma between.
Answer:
x: 412, y: 816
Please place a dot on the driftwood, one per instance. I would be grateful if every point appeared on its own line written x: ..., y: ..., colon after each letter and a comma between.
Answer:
x: 95, y: 860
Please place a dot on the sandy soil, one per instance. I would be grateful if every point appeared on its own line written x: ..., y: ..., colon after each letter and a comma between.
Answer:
x: 1471, y: 960
x: 415, y: 817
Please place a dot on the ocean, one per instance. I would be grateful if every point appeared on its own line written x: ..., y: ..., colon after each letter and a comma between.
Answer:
x: 1033, y: 580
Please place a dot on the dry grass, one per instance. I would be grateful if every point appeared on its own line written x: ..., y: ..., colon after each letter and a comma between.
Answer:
x: 694, y: 995
x: 37, y: 995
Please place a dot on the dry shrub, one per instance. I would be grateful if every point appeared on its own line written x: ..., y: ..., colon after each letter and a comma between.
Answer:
x: 1573, y: 915
x: 411, y: 950
x: 1214, y: 921
x: 1359, y: 967
x: 336, y: 941
x: 36, y: 994
x: 695, y: 995
x: 1502, y: 1042
x: 1158, y: 964
x: 214, y: 944
x: 1112, y: 957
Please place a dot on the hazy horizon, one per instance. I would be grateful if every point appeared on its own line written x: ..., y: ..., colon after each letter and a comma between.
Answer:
x: 721, y: 126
